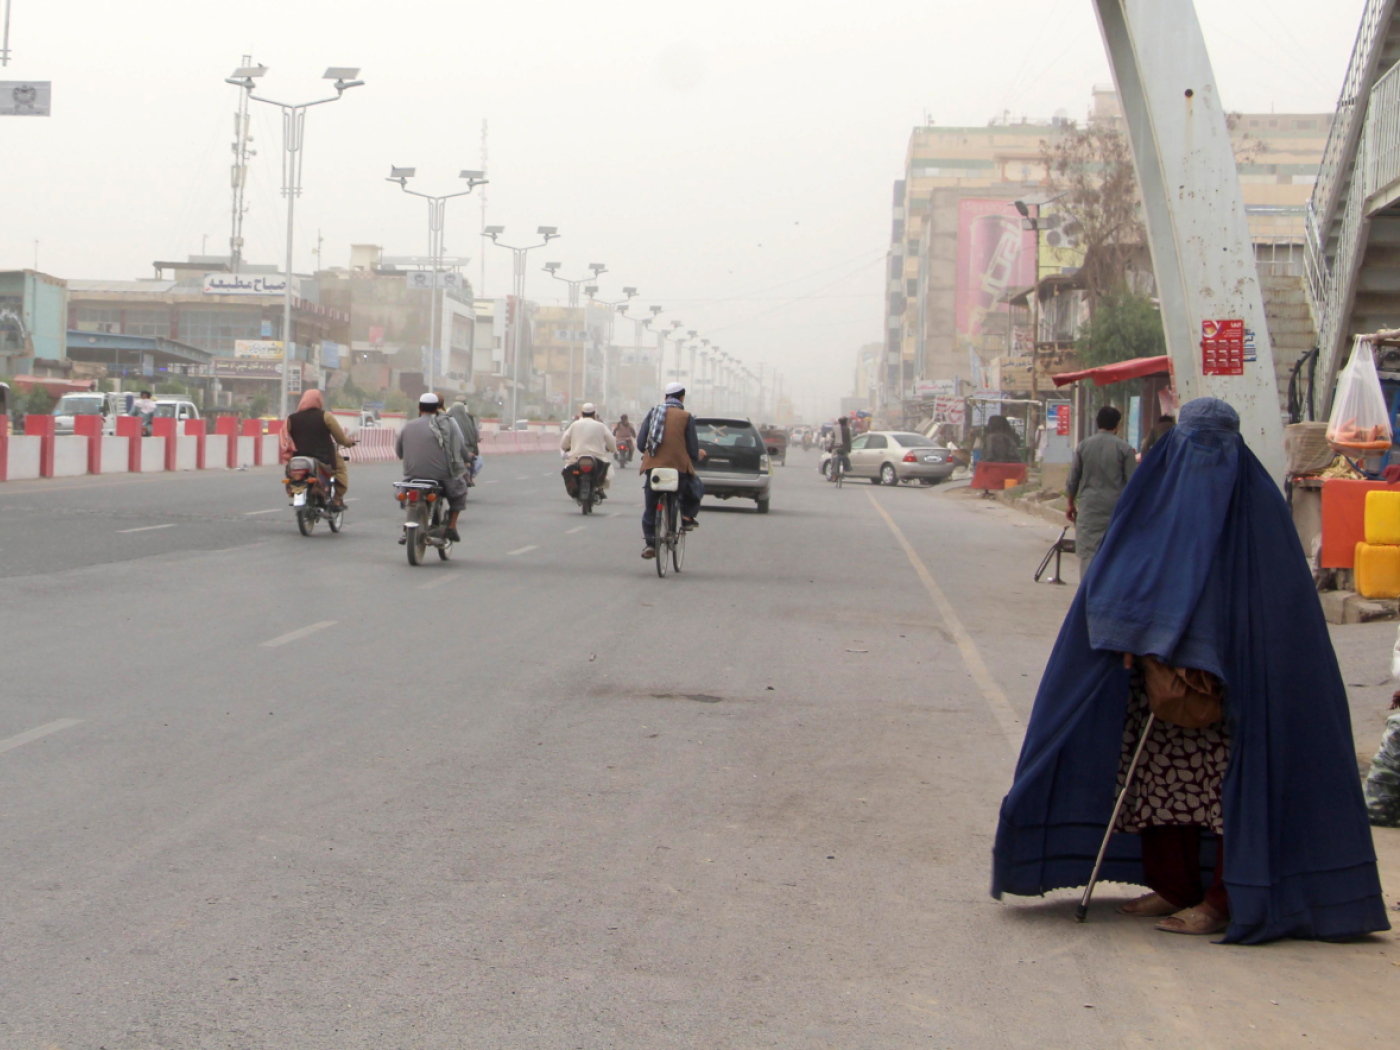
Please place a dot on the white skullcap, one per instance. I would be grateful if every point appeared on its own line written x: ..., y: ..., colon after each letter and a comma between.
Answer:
x: 430, y: 399
x: 675, y: 388
x: 588, y: 408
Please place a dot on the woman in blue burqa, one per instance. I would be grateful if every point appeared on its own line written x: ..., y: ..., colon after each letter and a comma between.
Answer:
x: 1254, y: 825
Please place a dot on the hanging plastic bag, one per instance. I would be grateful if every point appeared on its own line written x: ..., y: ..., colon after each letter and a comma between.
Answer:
x: 1395, y: 657
x: 1360, y: 422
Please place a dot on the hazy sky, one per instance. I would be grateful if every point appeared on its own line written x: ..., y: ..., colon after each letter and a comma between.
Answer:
x: 731, y: 159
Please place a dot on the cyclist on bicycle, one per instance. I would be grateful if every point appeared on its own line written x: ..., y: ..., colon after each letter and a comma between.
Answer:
x: 667, y: 438
x: 840, y: 445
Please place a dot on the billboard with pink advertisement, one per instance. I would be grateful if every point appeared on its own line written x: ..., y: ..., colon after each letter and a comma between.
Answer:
x: 994, y: 256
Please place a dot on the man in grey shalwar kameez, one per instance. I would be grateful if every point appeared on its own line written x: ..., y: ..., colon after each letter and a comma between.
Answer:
x: 1102, y: 466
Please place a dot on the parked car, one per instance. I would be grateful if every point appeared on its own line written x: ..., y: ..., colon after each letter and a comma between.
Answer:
x: 735, y: 460
x: 888, y: 457
x: 94, y: 403
x: 176, y: 408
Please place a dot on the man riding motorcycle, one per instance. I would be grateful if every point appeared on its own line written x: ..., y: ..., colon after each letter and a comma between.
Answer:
x: 312, y: 431
x: 587, y: 436
x: 460, y: 414
x: 432, y: 448
x: 625, y: 436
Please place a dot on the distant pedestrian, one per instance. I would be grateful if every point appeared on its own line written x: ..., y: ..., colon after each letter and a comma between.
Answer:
x: 1001, y: 445
x: 1102, y: 466
x: 1157, y: 433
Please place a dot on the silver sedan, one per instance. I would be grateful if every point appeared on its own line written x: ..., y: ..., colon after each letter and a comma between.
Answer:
x: 890, y: 456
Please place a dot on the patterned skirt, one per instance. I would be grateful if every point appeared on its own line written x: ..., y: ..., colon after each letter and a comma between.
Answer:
x: 1177, y: 781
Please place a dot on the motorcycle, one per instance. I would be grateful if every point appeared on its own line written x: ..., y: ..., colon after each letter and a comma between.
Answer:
x: 311, y: 489
x: 623, y: 455
x: 587, y: 476
x: 425, y: 510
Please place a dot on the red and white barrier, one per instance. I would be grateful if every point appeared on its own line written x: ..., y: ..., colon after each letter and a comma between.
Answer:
x: 374, y: 445
x: 22, y: 457
x: 40, y: 453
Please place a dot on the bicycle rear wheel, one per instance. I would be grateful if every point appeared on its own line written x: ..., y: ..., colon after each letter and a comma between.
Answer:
x: 663, y: 534
x: 678, y: 547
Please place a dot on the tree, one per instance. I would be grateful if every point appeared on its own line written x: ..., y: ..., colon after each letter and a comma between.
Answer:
x: 1124, y: 326
x: 38, y: 401
x: 1091, y: 169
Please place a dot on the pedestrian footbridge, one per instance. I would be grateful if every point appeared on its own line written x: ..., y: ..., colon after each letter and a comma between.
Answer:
x: 1353, y: 243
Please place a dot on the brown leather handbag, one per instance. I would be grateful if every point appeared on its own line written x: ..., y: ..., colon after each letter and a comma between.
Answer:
x: 1183, y: 696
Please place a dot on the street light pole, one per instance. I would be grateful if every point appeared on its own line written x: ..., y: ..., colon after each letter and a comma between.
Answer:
x: 437, y: 213
x: 293, y: 125
x: 552, y: 268
x: 620, y: 306
x: 518, y: 255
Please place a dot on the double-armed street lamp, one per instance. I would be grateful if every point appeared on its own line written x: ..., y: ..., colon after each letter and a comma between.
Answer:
x: 518, y: 255
x: 620, y: 306
x: 437, y: 211
x: 552, y: 268
x: 293, y: 126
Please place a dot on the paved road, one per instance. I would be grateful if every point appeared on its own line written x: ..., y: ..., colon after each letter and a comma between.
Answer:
x: 261, y: 791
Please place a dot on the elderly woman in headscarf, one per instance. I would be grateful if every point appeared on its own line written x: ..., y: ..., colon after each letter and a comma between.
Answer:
x: 312, y: 431
x: 1201, y: 573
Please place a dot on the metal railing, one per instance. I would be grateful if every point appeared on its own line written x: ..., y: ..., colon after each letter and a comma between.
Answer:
x: 1336, y: 306
x: 1345, y: 132
x: 1383, y: 133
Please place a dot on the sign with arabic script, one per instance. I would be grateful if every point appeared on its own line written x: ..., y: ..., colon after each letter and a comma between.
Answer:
x: 25, y: 98
x: 245, y: 284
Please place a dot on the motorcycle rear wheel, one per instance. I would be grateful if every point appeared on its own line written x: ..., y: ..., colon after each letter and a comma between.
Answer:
x: 335, y: 519
x: 305, y: 522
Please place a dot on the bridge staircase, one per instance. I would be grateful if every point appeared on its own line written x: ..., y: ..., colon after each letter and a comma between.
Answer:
x: 1352, y: 258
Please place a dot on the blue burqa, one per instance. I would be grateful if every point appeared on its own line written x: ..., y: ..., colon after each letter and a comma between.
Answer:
x: 1201, y: 567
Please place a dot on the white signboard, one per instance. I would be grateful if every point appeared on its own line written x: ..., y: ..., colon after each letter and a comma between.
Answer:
x: 949, y: 410
x: 245, y: 284
x: 259, y: 349
x: 25, y: 98
x: 424, y: 279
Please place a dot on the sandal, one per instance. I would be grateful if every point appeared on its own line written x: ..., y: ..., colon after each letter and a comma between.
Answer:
x: 1149, y: 906
x: 1199, y: 921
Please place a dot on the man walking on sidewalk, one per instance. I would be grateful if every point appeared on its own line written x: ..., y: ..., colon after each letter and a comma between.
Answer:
x: 1102, y: 466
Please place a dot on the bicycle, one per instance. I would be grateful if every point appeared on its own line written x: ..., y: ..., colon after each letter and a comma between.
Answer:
x: 670, y: 531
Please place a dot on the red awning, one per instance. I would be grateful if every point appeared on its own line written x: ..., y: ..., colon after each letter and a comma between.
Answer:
x: 1119, y: 372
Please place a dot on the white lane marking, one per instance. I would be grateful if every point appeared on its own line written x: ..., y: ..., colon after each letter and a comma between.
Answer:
x: 439, y: 582
x: 19, y: 739
x: 523, y: 477
x: 351, y: 499
x: 523, y: 550
x: 1002, y: 710
x: 491, y: 481
x: 251, y: 513
x: 615, y: 514
x: 577, y: 528
x: 146, y: 528
x: 302, y: 632
x: 546, y: 475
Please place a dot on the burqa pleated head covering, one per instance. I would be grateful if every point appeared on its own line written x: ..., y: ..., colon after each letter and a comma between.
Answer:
x: 1202, y: 567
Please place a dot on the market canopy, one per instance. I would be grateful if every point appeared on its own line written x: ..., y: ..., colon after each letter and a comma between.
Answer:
x: 1118, y: 372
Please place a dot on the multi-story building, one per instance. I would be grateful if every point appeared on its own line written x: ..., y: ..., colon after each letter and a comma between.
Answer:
x: 236, y: 318
x: 33, y: 320
x: 958, y: 249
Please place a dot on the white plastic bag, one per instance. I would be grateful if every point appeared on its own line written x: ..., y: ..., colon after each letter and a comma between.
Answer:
x: 1360, y: 422
x: 1395, y: 657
